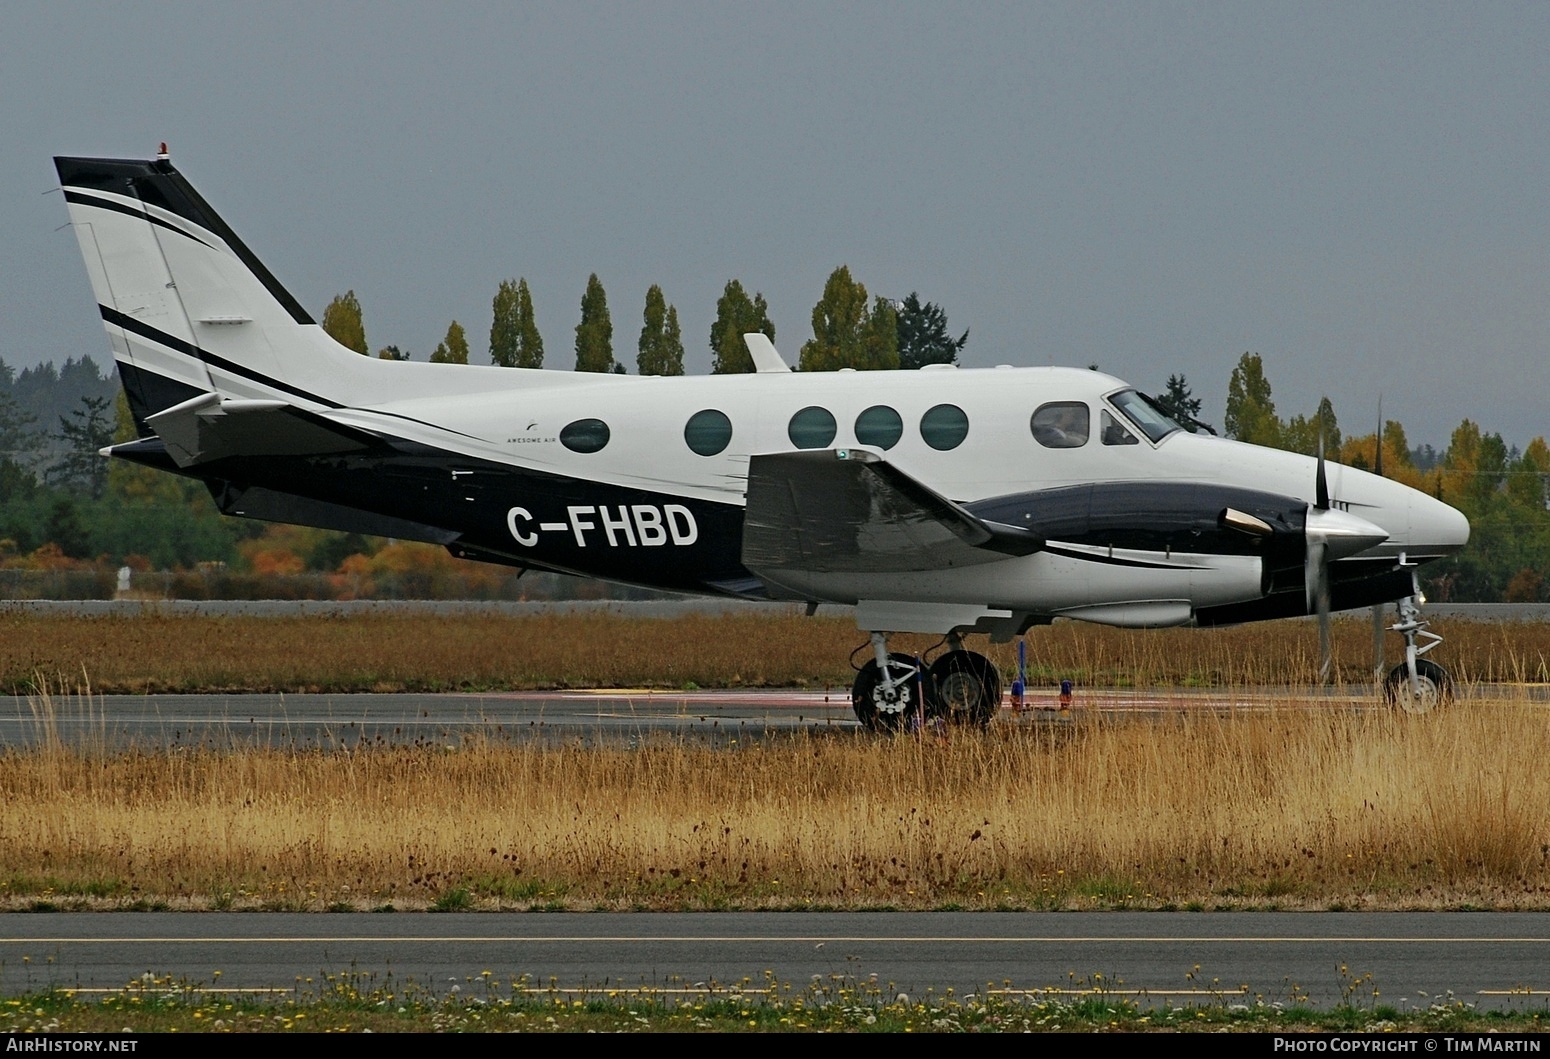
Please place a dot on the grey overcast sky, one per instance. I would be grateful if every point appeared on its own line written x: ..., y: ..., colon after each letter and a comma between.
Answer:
x: 1356, y: 191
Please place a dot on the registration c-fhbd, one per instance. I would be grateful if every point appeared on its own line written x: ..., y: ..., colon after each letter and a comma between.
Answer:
x: 620, y: 525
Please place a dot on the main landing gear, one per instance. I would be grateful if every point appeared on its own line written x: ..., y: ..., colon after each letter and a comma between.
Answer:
x: 1417, y: 685
x: 892, y: 693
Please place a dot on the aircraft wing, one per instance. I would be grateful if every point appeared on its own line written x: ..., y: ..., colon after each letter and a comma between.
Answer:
x: 849, y: 510
x: 209, y: 427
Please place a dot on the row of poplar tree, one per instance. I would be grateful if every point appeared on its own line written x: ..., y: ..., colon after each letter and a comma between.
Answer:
x: 850, y: 330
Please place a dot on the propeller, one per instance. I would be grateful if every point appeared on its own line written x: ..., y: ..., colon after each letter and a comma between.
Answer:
x: 1379, y: 663
x: 1330, y: 534
x: 1316, y: 565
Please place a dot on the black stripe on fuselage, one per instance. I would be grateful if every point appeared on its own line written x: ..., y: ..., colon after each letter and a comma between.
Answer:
x: 1369, y: 584
x: 523, y: 516
x: 150, y: 392
x: 83, y: 199
x: 215, y: 360
x: 146, y: 331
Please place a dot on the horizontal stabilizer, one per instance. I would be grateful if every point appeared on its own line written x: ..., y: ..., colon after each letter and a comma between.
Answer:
x: 848, y: 510
x: 211, y: 427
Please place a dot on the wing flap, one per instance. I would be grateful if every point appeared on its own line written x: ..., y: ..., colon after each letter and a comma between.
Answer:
x: 848, y: 510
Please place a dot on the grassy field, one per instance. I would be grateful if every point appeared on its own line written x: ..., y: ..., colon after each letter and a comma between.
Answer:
x: 354, y: 1002
x: 1293, y: 808
x: 386, y: 652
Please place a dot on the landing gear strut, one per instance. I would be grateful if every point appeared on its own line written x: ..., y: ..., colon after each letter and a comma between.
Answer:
x: 1416, y: 685
x: 889, y: 694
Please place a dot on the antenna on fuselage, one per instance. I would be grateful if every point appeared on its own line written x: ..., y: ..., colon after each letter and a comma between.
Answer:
x: 1377, y: 463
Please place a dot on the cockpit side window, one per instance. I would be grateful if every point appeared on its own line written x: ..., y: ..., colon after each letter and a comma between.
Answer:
x: 1061, y: 424
x: 1145, y: 414
x: 1114, y: 432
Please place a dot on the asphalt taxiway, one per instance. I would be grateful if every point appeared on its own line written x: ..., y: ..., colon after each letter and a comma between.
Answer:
x: 612, y: 716
x: 1408, y: 960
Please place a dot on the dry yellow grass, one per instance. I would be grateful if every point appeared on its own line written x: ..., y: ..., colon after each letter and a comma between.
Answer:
x: 388, y: 652
x: 1293, y: 808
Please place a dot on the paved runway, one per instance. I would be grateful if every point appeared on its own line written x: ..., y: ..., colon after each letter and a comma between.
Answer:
x: 1496, y: 961
x: 615, y: 716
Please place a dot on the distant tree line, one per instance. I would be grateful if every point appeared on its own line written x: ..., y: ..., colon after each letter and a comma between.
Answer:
x: 850, y: 330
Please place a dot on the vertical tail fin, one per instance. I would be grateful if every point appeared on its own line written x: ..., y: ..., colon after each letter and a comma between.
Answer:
x: 188, y: 308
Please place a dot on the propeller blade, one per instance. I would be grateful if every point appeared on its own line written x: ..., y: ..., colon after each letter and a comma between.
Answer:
x: 1326, y: 657
x: 1316, y: 586
x: 1378, y: 461
x: 1315, y: 571
x: 1320, y: 483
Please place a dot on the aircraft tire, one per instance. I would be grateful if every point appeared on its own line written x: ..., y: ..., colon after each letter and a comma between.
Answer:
x: 1436, y: 687
x: 866, y: 696
x: 965, y: 688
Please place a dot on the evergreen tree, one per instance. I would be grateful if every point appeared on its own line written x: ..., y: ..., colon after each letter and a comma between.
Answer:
x: 1330, y: 428
x: 342, y: 320
x: 1251, y: 414
x: 1530, y: 476
x: 1396, y: 447
x: 595, y: 333
x: 19, y: 439
x: 661, y: 342
x: 391, y: 353
x: 514, y: 338
x: 1176, y: 397
x: 454, y: 348
x: 849, y: 334
x: 504, y: 326
x: 737, y: 316
x: 1301, y: 434
x: 922, y: 335
x: 673, y: 341
x: 530, y: 344
x: 82, y: 467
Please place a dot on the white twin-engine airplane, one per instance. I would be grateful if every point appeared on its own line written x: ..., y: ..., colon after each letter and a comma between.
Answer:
x: 943, y: 501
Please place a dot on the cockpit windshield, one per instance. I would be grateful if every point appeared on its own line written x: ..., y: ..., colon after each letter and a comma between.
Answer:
x: 1145, y: 413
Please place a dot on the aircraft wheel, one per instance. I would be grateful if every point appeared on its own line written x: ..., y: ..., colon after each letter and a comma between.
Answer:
x: 966, y: 688
x: 880, y: 709
x: 1435, y: 687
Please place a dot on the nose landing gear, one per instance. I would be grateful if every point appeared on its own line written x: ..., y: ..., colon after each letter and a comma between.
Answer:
x: 1417, y: 685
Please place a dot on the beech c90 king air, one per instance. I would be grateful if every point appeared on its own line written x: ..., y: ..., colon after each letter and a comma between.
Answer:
x: 943, y: 501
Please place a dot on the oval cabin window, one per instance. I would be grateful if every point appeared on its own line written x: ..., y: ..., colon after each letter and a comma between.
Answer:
x: 880, y: 426
x: 944, y: 427
x: 585, y: 435
x: 812, y: 428
x: 708, y: 432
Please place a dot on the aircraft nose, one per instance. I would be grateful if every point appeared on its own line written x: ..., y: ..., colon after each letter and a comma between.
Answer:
x: 1436, y: 527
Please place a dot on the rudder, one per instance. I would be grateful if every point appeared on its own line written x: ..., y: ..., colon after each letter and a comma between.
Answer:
x: 189, y: 309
